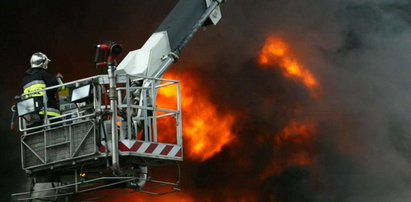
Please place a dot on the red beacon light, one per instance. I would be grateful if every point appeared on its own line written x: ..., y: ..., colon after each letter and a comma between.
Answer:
x: 106, y: 53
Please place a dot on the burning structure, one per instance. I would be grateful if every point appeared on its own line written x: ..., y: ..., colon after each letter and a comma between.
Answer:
x: 344, y: 139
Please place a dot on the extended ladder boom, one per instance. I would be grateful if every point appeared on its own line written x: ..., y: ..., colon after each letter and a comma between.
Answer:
x: 164, y: 46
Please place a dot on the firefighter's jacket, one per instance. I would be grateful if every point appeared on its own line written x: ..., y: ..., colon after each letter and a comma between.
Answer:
x: 37, y: 79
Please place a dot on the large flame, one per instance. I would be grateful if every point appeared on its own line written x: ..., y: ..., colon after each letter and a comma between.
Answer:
x: 276, y: 53
x: 206, y: 130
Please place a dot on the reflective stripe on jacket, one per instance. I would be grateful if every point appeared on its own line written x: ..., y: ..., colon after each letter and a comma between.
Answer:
x: 50, y: 112
x: 37, y: 79
x: 34, y: 86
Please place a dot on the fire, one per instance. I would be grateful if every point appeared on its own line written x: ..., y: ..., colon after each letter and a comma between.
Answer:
x: 276, y: 53
x: 143, y: 197
x: 296, y: 132
x: 294, y: 143
x: 206, y: 131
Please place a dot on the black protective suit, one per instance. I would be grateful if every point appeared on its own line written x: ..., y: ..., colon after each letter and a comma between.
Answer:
x: 39, y: 78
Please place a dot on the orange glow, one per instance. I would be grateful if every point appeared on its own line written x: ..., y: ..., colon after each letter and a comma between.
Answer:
x: 205, y: 130
x: 294, y: 144
x: 296, y: 132
x: 276, y: 53
x: 142, y: 197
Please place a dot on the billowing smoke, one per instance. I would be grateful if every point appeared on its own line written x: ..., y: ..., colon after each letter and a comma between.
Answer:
x: 359, y: 148
x: 359, y: 51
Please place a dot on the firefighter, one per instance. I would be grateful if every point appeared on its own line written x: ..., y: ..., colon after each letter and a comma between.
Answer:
x: 38, y: 78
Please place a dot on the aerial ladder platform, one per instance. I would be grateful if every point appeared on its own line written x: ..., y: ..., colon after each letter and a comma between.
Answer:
x: 107, y: 134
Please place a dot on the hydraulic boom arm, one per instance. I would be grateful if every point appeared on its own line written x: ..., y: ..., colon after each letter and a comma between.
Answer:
x: 164, y: 46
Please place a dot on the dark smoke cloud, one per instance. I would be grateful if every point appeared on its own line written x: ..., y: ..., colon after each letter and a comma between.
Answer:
x: 369, y: 96
x: 358, y: 49
x: 292, y: 185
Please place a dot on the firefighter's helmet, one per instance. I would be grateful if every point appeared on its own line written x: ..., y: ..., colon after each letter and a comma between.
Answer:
x: 39, y: 60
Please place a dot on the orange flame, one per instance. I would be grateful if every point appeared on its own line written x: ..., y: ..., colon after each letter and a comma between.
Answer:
x: 295, y: 141
x: 143, y: 197
x: 205, y: 130
x: 276, y: 52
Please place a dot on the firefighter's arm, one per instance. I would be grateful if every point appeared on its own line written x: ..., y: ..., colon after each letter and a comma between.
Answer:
x: 60, y: 80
